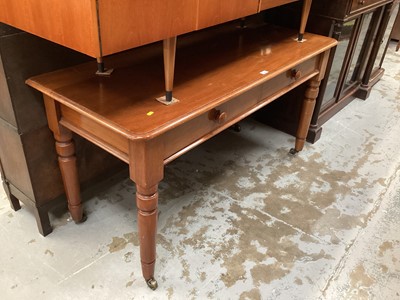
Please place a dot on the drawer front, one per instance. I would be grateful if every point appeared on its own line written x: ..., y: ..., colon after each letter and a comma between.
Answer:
x: 203, y: 127
x: 267, y: 4
x: 363, y: 4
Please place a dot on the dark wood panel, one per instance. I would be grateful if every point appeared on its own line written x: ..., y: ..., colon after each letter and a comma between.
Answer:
x: 25, y: 55
x: 13, y: 160
x: 358, y: 5
x: 6, y: 108
x: 396, y: 28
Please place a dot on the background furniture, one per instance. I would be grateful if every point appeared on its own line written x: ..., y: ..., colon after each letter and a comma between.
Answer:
x: 29, y: 166
x: 395, y: 35
x: 354, y: 67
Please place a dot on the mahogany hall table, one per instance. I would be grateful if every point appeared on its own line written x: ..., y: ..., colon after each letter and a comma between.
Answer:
x: 222, y: 75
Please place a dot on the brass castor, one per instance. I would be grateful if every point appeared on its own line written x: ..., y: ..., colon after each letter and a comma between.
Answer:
x: 152, y: 283
x: 84, y: 218
x: 293, y: 151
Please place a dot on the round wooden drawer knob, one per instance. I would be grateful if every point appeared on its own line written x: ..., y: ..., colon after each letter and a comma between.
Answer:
x: 362, y: 2
x: 295, y: 74
x: 218, y: 116
x: 221, y: 117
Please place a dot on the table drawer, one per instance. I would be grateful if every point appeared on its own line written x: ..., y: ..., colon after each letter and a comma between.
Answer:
x: 362, y: 4
x: 186, y: 136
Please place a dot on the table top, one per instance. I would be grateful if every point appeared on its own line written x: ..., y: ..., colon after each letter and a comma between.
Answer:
x: 212, y: 67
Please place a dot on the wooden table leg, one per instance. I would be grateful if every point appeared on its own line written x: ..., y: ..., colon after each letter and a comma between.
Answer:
x: 306, y: 114
x: 65, y: 149
x: 169, y: 47
x: 146, y: 168
x: 304, y: 17
x: 147, y: 201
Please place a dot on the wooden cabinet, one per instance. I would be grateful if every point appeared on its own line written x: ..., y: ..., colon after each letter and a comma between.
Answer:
x: 355, y: 65
x: 103, y: 27
x: 29, y: 166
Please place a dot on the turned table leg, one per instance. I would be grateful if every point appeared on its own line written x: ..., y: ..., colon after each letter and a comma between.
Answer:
x: 65, y: 149
x: 146, y: 201
x: 306, y: 114
x: 66, y: 158
x: 146, y: 168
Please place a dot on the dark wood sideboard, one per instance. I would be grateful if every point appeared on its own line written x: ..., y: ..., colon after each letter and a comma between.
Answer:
x: 29, y: 166
x: 354, y: 67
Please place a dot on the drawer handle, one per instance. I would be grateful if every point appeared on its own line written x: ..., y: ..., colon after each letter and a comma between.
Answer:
x: 218, y: 116
x: 362, y: 2
x: 295, y: 74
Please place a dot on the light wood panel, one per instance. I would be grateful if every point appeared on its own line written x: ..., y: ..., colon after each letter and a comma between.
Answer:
x: 72, y: 24
x: 125, y: 24
x: 103, y: 27
x: 212, y: 12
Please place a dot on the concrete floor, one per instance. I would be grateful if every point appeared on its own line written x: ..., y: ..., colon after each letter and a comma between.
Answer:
x: 239, y: 219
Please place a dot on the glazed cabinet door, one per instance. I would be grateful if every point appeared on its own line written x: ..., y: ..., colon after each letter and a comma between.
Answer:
x: 213, y: 12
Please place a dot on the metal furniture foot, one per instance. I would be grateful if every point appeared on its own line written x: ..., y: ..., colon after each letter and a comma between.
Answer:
x: 152, y: 283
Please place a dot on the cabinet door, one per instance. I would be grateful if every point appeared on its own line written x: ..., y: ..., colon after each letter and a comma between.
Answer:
x: 345, y: 34
x: 385, y: 39
x: 362, y: 49
x: 212, y: 12
x: 126, y: 24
